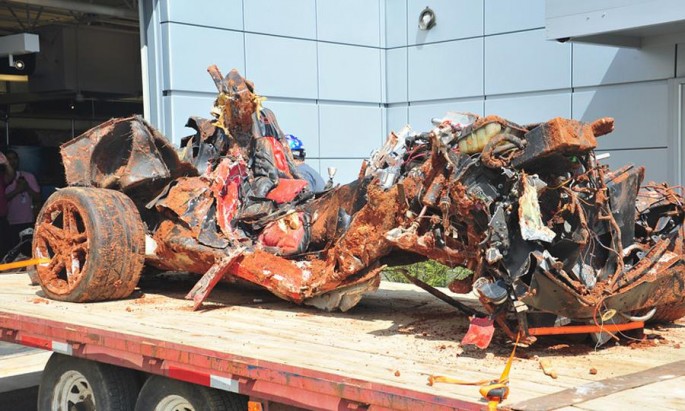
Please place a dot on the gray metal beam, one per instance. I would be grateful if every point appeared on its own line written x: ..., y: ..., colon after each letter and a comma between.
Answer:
x: 581, y: 19
x: 81, y: 8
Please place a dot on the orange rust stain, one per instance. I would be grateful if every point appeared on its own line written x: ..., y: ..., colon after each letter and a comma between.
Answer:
x: 564, y: 133
x: 178, y: 250
x: 261, y: 262
x: 364, y: 241
x: 324, y: 213
x: 602, y: 126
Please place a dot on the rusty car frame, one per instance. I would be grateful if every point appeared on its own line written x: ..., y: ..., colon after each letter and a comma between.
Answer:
x: 549, y: 233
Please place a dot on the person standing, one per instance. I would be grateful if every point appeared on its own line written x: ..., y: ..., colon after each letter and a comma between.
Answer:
x: 21, y: 192
x: 6, y: 177
x: 316, y: 183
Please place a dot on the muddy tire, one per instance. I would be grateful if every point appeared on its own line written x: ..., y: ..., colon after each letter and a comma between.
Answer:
x: 95, y: 241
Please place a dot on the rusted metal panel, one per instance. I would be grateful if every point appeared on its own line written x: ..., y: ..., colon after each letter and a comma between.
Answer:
x: 119, y: 154
x: 556, y: 137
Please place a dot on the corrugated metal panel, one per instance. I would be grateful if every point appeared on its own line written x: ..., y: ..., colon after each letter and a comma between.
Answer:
x: 446, y: 70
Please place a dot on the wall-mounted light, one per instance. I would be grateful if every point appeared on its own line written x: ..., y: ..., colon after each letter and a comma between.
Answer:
x: 426, y: 19
x: 17, y: 64
x: 18, y: 44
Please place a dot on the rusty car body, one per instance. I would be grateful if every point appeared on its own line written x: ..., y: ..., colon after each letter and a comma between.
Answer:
x: 548, y: 232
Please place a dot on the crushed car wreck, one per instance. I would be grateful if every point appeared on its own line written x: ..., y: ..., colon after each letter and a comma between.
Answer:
x: 549, y: 233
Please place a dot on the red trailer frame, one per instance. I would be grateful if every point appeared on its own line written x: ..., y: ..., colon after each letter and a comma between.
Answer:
x: 262, y: 381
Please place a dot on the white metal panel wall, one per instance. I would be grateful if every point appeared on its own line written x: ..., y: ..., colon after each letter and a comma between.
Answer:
x: 530, y: 108
x: 349, y: 22
x: 269, y: 63
x: 397, y: 117
x: 187, y: 86
x: 352, y: 132
x: 455, y: 19
x: 225, y: 14
x: 349, y: 73
x: 341, y: 74
x: 396, y: 75
x: 319, y: 63
x: 520, y: 75
x: 189, y: 54
x: 436, y: 71
x: 291, y: 18
x: 395, y: 21
x: 643, y: 135
x: 525, y: 61
x: 178, y: 106
x: 300, y: 118
x: 506, y: 16
x: 596, y: 65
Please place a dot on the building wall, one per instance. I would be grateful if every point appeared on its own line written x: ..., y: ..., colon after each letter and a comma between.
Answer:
x: 340, y: 75
x: 322, y: 79
x: 491, y: 57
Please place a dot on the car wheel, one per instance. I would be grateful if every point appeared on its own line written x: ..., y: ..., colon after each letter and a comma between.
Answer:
x: 95, y: 242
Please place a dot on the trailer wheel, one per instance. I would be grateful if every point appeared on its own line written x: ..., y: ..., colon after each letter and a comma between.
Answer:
x: 95, y: 241
x: 70, y: 383
x: 164, y: 394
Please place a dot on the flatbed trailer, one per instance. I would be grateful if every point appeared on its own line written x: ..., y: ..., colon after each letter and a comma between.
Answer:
x: 377, y: 356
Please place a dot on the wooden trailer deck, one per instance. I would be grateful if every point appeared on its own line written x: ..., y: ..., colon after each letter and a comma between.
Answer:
x: 379, y: 354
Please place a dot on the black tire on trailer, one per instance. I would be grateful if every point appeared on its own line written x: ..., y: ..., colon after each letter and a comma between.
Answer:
x: 70, y: 383
x: 95, y: 241
x: 164, y: 394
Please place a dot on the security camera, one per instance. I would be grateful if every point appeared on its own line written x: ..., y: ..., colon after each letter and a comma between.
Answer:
x: 563, y: 39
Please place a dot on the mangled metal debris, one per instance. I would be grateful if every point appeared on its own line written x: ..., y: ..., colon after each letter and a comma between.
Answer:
x: 551, y: 235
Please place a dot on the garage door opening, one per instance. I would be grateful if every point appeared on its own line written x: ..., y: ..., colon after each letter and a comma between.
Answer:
x: 87, y: 70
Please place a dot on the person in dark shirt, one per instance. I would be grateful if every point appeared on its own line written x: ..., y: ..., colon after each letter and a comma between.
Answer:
x: 316, y: 182
x: 21, y: 192
x: 7, y: 175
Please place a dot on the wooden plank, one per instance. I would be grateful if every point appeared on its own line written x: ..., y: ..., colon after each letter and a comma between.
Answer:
x: 398, y: 329
x: 225, y: 330
x: 663, y: 395
x: 375, y: 361
x: 603, y: 388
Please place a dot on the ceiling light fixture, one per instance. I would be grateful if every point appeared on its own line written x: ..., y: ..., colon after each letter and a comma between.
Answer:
x: 18, y: 45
